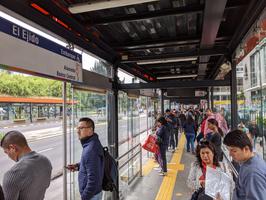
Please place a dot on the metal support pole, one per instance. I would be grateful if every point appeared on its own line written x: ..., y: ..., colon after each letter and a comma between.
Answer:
x: 140, y: 161
x: 113, y: 137
x: 233, y: 87
x: 261, y: 101
x: 30, y: 112
x: 147, y: 114
x: 162, y: 101
x: 64, y: 142
x: 211, y: 98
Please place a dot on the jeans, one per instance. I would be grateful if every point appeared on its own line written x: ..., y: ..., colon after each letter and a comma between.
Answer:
x: 190, y: 141
x: 163, y: 157
x: 97, y: 196
x: 172, y: 139
x: 176, y: 136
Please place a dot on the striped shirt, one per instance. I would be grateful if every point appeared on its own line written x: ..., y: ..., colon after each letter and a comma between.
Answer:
x: 28, y: 179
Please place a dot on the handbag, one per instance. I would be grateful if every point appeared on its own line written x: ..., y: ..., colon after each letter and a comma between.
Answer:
x: 150, y: 144
x: 200, y: 195
x: 196, y: 194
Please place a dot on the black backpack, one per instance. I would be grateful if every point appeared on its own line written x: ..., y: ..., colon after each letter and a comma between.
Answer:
x: 110, y: 172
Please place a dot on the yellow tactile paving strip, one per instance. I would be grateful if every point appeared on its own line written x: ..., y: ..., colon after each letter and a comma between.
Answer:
x: 167, y: 187
x: 147, y: 168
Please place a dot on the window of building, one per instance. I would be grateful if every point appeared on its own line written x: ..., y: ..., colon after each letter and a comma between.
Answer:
x: 264, y: 59
x: 253, y: 71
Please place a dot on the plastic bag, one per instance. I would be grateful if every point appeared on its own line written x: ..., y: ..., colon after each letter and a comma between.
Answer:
x: 217, y: 181
x: 150, y: 144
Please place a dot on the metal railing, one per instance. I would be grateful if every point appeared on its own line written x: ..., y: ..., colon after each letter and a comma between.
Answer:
x: 229, y: 161
x: 139, y: 152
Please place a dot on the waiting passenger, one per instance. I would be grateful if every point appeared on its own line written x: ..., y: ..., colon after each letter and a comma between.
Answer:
x: 219, y: 118
x: 251, y: 182
x: 254, y: 132
x: 162, y: 134
x: 91, y: 166
x: 169, y: 117
x: 215, y: 136
x: 206, y: 156
x: 189, y: 129
x: 29, y: 178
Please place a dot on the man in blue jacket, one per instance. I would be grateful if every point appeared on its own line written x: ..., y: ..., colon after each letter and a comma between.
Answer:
x: 91, y: 166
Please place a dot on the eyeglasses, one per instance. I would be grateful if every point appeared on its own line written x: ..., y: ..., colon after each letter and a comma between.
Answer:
x: 81, y: 128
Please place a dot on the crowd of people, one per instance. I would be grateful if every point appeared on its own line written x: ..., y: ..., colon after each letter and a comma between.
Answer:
x: 206, y: 135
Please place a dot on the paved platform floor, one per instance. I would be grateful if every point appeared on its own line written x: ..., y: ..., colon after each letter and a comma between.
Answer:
x: 173, y: 186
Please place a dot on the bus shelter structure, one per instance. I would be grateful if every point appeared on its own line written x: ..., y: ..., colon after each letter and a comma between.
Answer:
x: 172, y: 45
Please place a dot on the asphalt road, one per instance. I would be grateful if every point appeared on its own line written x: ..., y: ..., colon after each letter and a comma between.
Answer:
x: 47, y: 139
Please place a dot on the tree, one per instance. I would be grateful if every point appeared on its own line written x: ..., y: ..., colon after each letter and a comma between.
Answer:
x: 28, y: 86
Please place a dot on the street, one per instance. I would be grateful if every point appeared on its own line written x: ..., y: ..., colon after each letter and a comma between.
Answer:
x: 47, y: 139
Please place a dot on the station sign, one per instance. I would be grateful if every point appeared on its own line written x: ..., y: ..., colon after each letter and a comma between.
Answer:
x: 200, y: 93
x: 25, y: 51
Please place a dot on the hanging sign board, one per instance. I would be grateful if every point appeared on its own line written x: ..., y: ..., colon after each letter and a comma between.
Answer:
x: 200, y: 93
x: 25, y: 51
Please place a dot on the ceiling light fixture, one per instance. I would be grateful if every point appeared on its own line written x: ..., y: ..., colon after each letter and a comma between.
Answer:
x: 100, y: 5
x: 177, y: 76
x: 166, y: 60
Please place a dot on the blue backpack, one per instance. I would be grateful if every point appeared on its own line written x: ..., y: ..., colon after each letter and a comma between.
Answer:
x: 110, y: 172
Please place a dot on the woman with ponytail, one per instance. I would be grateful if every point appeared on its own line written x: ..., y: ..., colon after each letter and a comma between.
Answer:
x: 215, y: 137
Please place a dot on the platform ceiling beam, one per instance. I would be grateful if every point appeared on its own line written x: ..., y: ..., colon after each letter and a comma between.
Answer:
x: 175, y: 84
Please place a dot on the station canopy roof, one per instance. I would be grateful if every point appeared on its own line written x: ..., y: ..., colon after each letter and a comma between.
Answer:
x: 155, y: 40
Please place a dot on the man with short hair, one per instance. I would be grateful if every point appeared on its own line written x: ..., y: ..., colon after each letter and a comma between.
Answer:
x: 251, y: 182
x: 91, y: 166
x: 29, y: 178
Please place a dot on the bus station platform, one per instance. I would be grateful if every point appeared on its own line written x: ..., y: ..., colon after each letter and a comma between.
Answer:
x: 173, y: 186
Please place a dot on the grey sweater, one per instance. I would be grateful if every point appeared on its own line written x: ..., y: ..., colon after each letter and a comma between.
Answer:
x: 28, y: 179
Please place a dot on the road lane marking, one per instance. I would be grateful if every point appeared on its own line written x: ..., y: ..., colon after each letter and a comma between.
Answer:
x: 49, y: 149
x: 168, y: 184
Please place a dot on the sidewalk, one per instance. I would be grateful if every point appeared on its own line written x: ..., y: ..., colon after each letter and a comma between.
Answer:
x: 33, y: 131
x: 10, y: 123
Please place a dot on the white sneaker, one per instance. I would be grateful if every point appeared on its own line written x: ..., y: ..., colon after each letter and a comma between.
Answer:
x: 157, y: 168
x: 163, y: 174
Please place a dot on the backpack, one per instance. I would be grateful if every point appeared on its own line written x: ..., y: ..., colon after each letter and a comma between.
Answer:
x: 110, y: 172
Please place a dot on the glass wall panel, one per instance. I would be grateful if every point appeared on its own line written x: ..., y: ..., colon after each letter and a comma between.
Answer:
x: 85, y: 104
x: 167, y: 104
x: 254, y: 97
x: 222, y: 102
x: 143, y: 120
x: 95, y: 65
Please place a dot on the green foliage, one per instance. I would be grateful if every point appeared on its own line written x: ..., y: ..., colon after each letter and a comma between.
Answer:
x: 90, y: 101
x: 28, y: 86
x: 261, y: 121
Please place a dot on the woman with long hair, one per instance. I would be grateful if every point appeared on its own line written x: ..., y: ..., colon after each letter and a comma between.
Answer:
x: 215, y: 136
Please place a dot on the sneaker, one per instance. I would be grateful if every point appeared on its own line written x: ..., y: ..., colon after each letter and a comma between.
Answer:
x: 157, y: 168
x: 163, y: 174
